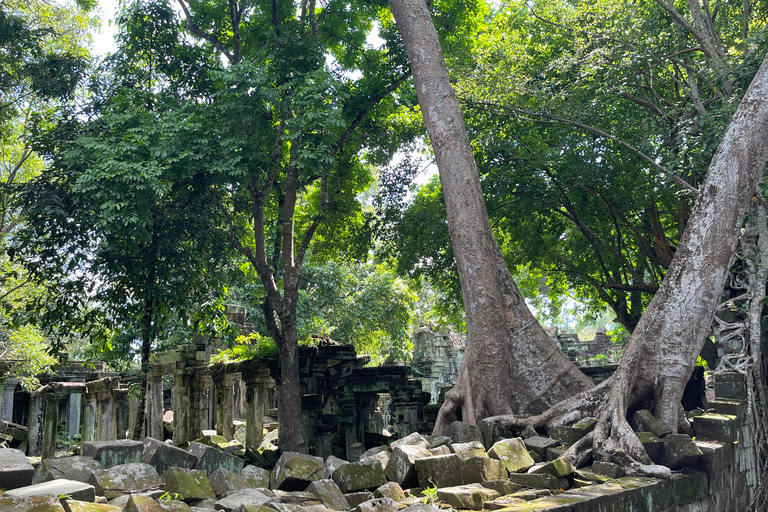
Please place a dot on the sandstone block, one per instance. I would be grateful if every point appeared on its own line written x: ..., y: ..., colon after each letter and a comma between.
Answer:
x: 145, y: 504
x: 512, y: 453
x: 225, y: 481
x: 15, y: 471
x: 382, y: 457
x: 492, y: 432
x: 652, y: 444
x: 467, y: 497
x: 329, y: 494
x: 401, y: 467
x: 87, y: 506
x: 529, y: 432
x: 112, y: 482
x: 716, y: 456
x: 540, y: 444
x: 78, y: 490
x: 331, y: 463
x: 439, y: 471
x: 356, y: 498
x: 461, y: 432
x: 113, y: 453
x: 421, y: 507
x: 373, y: 451
x: 568, y: 435
x: 715, y: 427
x: 249, y: 497
x: 435, y: 441
x: 359, y: 476
x: 644, y: 421
x: 608, y: 469
x: 191, y: 484
x: 78, y: 468
x: 503, y: 487
x: 33, y: 504
x: 554, y: 453
x: 411, y: 439
x: 376, y: 505
x: 163, y: 456
x: 295, y: 471
x: 559, y: 468
x: 390, y: 490
x: 545, y: 481
x: 679, y: 451
x: 256, y: 476
x: 209, y: 459
x: 468, y: 450
x: 482, y: 469
x: 254, y: 508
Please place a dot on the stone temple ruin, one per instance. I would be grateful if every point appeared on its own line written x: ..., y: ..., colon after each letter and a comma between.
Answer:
x: 369, y: 434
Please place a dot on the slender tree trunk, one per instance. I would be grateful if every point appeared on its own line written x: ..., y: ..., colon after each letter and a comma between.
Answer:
x: 291, y: 434
x: 510, y: 364
x: 146, y: 347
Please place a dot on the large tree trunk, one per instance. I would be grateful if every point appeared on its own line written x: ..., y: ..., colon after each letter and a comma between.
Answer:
x: 510, y: 364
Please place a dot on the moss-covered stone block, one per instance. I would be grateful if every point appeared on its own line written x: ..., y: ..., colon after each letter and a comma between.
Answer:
x: 467, y: 497
x: 468, y: 450
x: 715, y: 427
x: 644, y: 421
x: 190, y: 484
x: 329, y: 494
x: 513, y: 454
x: 359, y: 476
x: 86, y: 506
x: 689, y: 486
x: 138, y: 503
x: 559, y: 468
x: 113, y: 453
x: 679, y: 451
x: 256, y: 476
x: 440, y: 471
x: 119, y: 480
x: 545, y: 481
x: 540, y: 444
x: 652, y: 444
x: 482, y: 469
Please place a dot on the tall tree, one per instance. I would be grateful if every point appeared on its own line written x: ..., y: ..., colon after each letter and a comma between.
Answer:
x: 662, y: 350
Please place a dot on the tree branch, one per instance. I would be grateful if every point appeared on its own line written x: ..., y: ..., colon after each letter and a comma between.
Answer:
x: 204, y: 35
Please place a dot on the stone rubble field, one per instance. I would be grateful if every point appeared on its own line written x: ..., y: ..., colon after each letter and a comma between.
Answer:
x: 472, y: 467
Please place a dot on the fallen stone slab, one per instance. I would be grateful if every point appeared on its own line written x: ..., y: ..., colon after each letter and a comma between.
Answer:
x: 411, y: 439
x: 376, y: 505
x: 608, y: 469
x: 113, y: 453
x: 87, y: 506
x: 644, y: 421
x: 568, y: 435
x: 374, y: 451
x: 467, y: 497
x: 359, y: 476
x: 559, y: 468
x: 540, y: 444
x: 356, y: 498
x: 652, y: 444
x: 461, y: 432
x: 436, y: 441
x: 295, y: 497
x: 78, y: 468
x: 545, y: 481
x: 138, y: 503
x: 209, y: 459
x: 715, y: 455
x: 440, y: 471
x: 32, y: 504
x: 77, y: 490
x: 285, y: 507
x: 469, y: 450
x: 331, y: 463
x: 224, y: 481
x: 513, y: 454
x: 482, y: 469
x: 122, y: 501
x: 125, y: 478
x: 15, y: 471
x: 391, y: 490
x: 679, y: 451
x: 501, y: 503
x: 295, y: 471
x: 315, y: 508
x: 256, y: 476
x: 401, y: 467
x: 421, y: 507
x: 555, y: 453
x: 492, y: 432
x: 202, y: 504
x: 253, y: 508
x: 503, y: 487
x: 163, y: 456
x: 382, y: 457
x: 329, y: 494
x: 191, y: 484
x: 715, y: 427
x: 250, y: 497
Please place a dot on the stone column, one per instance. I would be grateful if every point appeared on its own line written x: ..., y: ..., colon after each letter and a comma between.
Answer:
x: 225, y: 403
x: 35, y: 428
x: 105, y: 415
x: 204, y: 385
x: 50, y: 422
x: 73, y: 413
x: 119, y: 413
x: 155, y: 402
x: 257, y: 385
x: 6, y: 401
x: 89, y: 418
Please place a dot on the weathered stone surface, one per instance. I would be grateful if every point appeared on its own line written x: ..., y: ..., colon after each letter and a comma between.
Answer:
x: 122, y: 501
x: 163, y: 456
x: 209, y: 459
x: 608, y: 469
x: 250, y: 497
x: 285, y: 507
x: 209, y: 504
x: 319, y: 507
x: 652, y: 444
x: 329, y: 494
x: 435, y: 441
x: 545, y: 481
x: 568, y: 435
x: 401, y: 467
x: 256, y: 476
x: 78, y: 490
x: 295, y: 471
x: 540, y: 444
x: 715, y: 427
x: 529, y: 432
x: 411, y: 439
x: 113, y: 453
x: 644, y: 421
x: 254, y: 508
x: 87, y: 506
x: 33, y: 504
x: 441, y: 450
x: 15, y: 471
x: 503, y: 487
x: 492, y: 432
x: 716, y: 456
x: 331, y: 464
x: 482, y: 469
x: 555, y: 453
x: 690, y: 486
x: 391, y: 490
x: 440, y: 471
x: 382, y: 457
x: 190, y: 484
x: 224, y: 481
x: 356, y: 498
x: 127, y: 477
x: 77, y: 468
x: 376, y: 505
x: 295, y: 497
x: 138, y: 503
x: 679, y: 451
x: 559, y: 468
x: 469, y: 450
x: 512, y: 453
x: 461, y: 432
x: 359, y: 476
x: 374, y: 451
x: 467, y: 497
x: 421, y: 507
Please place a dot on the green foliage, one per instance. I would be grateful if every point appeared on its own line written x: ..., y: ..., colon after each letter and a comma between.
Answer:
x: 254, y: 346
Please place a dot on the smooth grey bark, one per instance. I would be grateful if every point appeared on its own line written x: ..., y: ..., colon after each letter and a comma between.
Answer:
x: 510, y: 364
